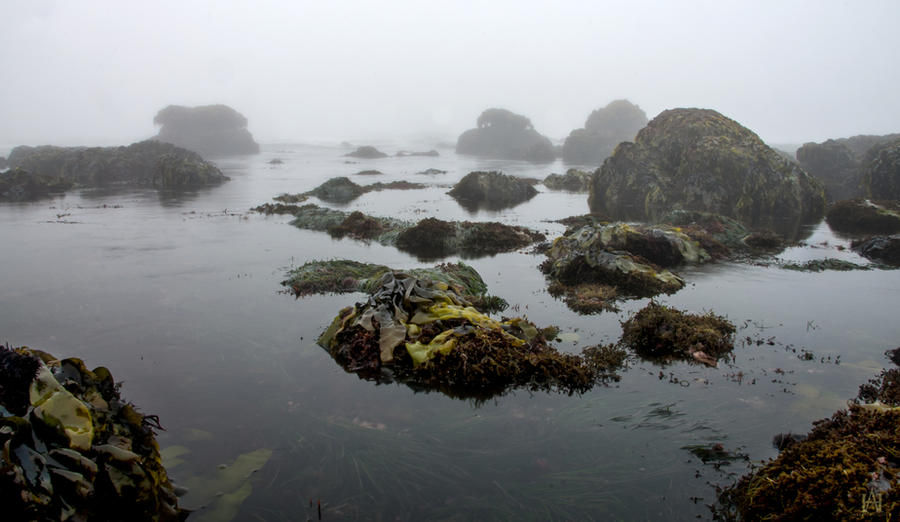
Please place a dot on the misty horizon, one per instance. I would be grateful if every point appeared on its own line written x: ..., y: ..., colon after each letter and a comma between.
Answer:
x: 97, y: 73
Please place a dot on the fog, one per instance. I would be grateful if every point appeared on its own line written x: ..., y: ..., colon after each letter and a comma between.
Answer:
x: 96, y: 72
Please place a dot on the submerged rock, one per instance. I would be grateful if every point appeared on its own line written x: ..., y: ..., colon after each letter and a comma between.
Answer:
x: 73, y: 449
x: 846, y: 468
x: 210, y: 130
x: 821, y: 265
x: 697, y: 159
x: 428, y: 239
x: 864, y: 216
x: 880, y: 171
x: 426, y: 328
x: 663, y: 334
x: 882, y: 249
x: 492, y: 190
x: 503, y: 134
x: 367, y: 152
x: 153, y: 163
x: 604, y: 129
x: 573, y: 180
x: 405, y: 154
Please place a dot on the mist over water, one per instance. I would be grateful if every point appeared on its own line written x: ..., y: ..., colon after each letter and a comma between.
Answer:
x: 95, y: 73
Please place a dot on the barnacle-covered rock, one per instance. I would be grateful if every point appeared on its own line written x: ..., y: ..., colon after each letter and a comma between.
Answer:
x: 74, y: 450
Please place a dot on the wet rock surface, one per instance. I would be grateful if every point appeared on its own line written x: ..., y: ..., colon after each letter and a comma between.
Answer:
x: 882, y: 249
x: 152, y: 163
x: 366, y: 152
x: 20, y: 185
x: 209, y: 130
x: 342, y: 190
x: 573, y: 180
x: 697, y: 159
x: 864, y: 216
x: 491, y: 190
x: 605, y: 128
x: 503, y: 134
x: 73, y: 449
x: 429, y: 329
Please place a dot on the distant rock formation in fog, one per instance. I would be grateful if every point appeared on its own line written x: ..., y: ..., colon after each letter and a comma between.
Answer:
x: 604, y: 129
x: 880, y: 171
x: 209, y: 130
x: 697, y: 159
x: 503, y: 134
x: 148, y: 162
x: 3, y: 163
x: 366, y: 152
x: 838, y: 163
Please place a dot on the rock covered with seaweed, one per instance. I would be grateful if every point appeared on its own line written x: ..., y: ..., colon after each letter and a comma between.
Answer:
x: 20, y: 185
x: 492, y: 190
x: 838, y: 163
x: 151, y: 163
x: 697, y: 159
x: 503, y: 134
x: 864, y: 216
x: 605, y: 128
x: 880, y: 171
x: 209, y: 130
x: 573, y: 180
x: 73, y: 449
x: 430, y: 329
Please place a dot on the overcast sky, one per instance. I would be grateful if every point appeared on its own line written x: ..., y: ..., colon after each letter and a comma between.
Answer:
x: 96, y: 72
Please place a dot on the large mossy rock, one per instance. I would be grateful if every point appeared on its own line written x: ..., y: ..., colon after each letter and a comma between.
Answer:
x: 880, y: 171
x: 697, y: 159
x: 604, y: 129
x: 210, y: 130
x: 73, y: 448
x: 503, y: 134
x: 153, y: 163
x: 20, y: 185
x: 491, y: 190
x: 857, y: 216
x: 839, y: 163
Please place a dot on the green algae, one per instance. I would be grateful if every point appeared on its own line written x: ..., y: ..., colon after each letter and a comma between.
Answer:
x: 821, y: 265
x: 222, y: 492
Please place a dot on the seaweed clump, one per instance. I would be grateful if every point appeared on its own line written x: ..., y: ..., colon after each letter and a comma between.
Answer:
x: 846, y: 468
x: 73, y: 449
x: 662, y: 333
x: 424, y: 329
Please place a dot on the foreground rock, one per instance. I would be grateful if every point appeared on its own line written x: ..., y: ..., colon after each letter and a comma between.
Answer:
x: 73, y: 449
x: 503, y: 134
x: 837, y: 163
x: 863, y: 216
x: 573, y: 180
x: 491, y: 190
x: 209, y: 130
x: 664, y: 334
x: 697, y: 159
x: 881, y: 249
x: 845, y: 468
x: 428, y: 239
x: 880, y: 171
x: 428, y: 328
x: 604, y: 129
x: 366, y: 152
x: 149, y: 163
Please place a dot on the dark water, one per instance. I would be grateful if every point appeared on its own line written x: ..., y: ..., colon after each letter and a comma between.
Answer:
x: 178, y: 294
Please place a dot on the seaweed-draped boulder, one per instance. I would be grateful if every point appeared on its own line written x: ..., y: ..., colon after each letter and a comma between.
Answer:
x: 880, y: 171
x: 210, y: 130
x: 839, y: 163
x: 492, y: 190
x: 148, y: 162
x: 697, y: 159
x: 19, y: 185
x: 503, y: 134
x: 604, y: 129
x: 573, y: 180
x: 73, y: 448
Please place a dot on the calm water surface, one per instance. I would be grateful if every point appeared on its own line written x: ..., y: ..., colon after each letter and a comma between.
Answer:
x: 178, y: 294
